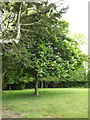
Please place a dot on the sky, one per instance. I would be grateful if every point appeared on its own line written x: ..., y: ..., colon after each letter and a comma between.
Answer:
x: 77, y: 15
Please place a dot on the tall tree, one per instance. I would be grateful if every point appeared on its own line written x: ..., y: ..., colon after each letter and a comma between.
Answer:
x: 43, y: 46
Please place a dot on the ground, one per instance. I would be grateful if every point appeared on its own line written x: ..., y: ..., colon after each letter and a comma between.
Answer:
x: 50, y: 103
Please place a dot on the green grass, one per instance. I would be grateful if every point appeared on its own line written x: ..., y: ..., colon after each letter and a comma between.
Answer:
x: 51, y: 103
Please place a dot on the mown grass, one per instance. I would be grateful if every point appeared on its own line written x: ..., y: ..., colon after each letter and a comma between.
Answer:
x: 51, y: 103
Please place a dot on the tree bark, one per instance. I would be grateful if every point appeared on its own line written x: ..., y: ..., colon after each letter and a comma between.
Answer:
x: 41, y: 84
x: 18, y: 23
x: 36, y: 86
x: 9, y: 86
x: 46, y: 84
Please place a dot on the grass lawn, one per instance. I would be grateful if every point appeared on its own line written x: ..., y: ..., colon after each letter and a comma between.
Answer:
x: 51, y: 103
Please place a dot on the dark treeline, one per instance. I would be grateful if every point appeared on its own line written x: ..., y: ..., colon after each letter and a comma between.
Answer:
x: 30, y: 85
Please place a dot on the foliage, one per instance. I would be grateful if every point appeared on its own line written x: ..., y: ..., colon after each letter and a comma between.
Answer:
x: 15, y: 75
x: 77, y: 76
x: 82, y: 40
x: 43, y: 48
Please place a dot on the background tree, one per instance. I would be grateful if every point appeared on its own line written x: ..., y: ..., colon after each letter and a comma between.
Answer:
x: 82, y: 40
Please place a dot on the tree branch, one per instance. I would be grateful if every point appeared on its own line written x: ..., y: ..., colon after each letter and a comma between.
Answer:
x: 33, y: 23
x: 6, y: 18
x: 27, y: 30
x: 18, y: 23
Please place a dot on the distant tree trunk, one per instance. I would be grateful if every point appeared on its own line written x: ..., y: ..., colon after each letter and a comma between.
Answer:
x: 41, y: 84
x: 36, y: 85
x: 9, y: 86
x: 45, y: 84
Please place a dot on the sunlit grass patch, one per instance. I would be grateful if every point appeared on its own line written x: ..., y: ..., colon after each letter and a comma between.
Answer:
x: 51, y: 103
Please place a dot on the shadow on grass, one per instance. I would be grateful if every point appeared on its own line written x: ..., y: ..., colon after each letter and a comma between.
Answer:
x: 14, y: 94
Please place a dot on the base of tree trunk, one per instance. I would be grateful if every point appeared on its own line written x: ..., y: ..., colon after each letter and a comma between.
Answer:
x: 36, y: 85
x: 36, y: 94
x: 41, y: 84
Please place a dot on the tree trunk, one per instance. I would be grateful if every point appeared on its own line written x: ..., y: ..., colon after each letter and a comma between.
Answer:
x: 46, y: 84
x: 41, y: 84
x: 18, y: 23
x: 9, y: 86
x: 36, y: 86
